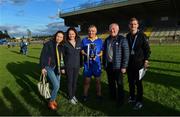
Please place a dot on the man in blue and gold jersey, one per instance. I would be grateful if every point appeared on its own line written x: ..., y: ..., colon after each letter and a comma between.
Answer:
x: 92, y: 51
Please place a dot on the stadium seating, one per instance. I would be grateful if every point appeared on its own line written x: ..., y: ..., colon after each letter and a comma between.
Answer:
x: 177, y: 33
x: 163, y: 32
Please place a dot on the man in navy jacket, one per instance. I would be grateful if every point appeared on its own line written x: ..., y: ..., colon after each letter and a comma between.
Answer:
x: 115, y: 61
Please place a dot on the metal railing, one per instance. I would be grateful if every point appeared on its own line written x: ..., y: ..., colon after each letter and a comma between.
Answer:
x: 90, y: 5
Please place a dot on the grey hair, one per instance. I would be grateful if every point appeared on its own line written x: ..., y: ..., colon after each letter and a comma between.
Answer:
x: 110, y: 26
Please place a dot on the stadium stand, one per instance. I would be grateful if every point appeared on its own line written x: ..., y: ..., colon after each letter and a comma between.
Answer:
x: 160, y: 19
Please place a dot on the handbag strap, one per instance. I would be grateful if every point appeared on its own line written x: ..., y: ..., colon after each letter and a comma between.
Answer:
x: 43, y: 78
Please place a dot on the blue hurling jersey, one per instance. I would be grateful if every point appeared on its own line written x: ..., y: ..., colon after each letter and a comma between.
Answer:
x: 98, y: 47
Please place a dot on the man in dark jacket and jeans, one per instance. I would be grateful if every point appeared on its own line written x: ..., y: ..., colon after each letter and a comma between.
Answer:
x: 115, y: 61
x: 139, y: 54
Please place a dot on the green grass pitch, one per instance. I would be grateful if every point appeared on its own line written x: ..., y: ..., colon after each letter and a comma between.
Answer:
x: 19, y: 75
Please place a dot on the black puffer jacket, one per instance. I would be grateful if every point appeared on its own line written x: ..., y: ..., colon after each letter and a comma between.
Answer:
x: 120, y: 52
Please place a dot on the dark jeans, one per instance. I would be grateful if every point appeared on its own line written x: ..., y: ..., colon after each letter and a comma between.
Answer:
x: 115, y: 77
x: 72, y: 75
x: 133, y: 79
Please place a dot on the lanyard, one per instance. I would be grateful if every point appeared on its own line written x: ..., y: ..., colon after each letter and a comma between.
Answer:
x: 133, y: 42
x: 62, y: 60
x: 57, y: 54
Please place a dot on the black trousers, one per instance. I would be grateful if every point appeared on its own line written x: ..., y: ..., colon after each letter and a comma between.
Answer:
x: 133, y: 79
x: 115, y: 77
x: 72, y: 76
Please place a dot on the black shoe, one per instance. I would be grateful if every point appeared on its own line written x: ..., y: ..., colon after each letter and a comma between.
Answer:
x: 119, y: 103
x: 138, y: 106
x: 99, y: 98
x: 85, y: 98
x: 113, y: 98
x: 131, y: 100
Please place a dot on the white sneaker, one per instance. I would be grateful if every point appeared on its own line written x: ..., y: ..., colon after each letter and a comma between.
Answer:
x: 73, y: 102
x: 75, y: 99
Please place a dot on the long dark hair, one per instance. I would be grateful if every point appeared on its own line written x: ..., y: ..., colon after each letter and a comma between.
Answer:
x: 59, y: 31
x: 75, y: 31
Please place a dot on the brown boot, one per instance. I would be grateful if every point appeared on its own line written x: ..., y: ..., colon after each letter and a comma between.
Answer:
x: 55, y: 103
x: 52, y: 106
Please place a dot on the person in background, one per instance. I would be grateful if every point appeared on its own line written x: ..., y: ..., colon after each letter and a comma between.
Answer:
x: 8, y: 44
x: 92, y: 51
x: 139, y: 55
x: 72, y: 49
x: 23, y: 47
x: 115, y: 61
x: 50, y: 59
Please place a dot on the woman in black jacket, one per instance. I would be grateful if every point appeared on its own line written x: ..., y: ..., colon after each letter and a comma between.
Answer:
x: 72, y: 48
x: 50, y: 59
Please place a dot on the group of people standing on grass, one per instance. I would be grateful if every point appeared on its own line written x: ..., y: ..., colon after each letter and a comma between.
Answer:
x: 119, y: 55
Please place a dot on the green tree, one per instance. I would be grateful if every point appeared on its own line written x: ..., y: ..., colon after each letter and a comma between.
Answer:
x: 1, y: 33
